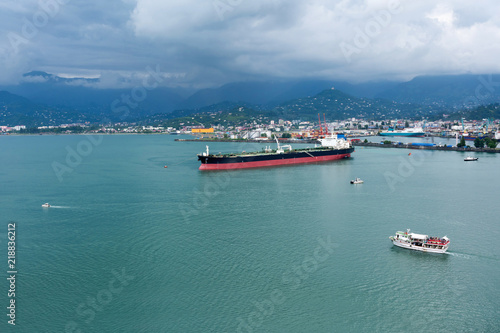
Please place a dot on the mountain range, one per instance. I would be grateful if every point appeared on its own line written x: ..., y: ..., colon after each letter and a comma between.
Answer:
x: 452, y: 91
x: 42, y: 98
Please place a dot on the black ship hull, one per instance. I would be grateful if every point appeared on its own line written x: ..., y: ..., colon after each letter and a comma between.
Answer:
x: 312, y: 155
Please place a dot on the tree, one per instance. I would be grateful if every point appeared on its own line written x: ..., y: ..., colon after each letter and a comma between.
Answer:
x: 490, y: 143
x: 478, y: 143
x: 407, y: 124
x: 366, y: 141
x: 286, y: 135
x: 462, y: 142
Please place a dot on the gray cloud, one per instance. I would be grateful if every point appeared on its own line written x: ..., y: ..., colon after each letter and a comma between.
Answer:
x: 203, y: 43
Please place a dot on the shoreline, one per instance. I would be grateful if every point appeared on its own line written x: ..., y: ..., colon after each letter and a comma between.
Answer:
x: 410, y: 146
x: 361, y: 144
x: 287, y: 141
x: 253, y: 141
x: 54, y: 134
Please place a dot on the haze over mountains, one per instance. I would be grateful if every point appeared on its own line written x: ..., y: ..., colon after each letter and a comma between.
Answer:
x: 43, y: 98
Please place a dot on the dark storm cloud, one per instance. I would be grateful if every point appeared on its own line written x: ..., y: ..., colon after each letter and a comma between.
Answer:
x: 203, y: 43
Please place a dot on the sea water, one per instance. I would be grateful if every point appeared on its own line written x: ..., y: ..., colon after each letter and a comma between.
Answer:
x: 139, y: 240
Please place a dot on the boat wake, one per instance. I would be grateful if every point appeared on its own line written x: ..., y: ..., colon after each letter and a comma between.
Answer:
x: 471, y: 256
x: 61, y: 207
x: 460, y: 255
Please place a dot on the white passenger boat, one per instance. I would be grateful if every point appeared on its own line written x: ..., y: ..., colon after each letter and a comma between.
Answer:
x: 470, y: 158
x: 357, y: 181
x: 420, y: 242
x: 46, y: 205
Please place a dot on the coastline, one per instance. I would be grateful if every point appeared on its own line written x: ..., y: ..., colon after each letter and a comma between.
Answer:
x: 410, y: 146
x: 311, y: 141
x: 362, y: 144
x: 55, y: 134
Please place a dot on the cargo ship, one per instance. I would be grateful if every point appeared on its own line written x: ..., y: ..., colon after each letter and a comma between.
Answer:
x: 333, y: 147
x: 473, y: 136
x: 413, y: 131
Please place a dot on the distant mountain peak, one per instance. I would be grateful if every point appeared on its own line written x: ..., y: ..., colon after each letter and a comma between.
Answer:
x: 38, y: 73
x: 332, y: 92
x: 44, y: 77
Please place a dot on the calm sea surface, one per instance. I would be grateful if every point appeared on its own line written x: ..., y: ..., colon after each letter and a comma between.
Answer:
x: 132, y: 246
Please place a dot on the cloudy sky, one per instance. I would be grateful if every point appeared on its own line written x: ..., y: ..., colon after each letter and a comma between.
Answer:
x: 203, y: 43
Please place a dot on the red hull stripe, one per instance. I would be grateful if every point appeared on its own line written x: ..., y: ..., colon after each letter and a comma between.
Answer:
x: 245, y: 165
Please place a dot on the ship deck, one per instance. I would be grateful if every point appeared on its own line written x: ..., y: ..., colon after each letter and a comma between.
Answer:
x: 272, y: 152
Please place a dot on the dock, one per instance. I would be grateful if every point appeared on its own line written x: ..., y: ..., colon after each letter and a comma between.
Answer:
x: 426, y: 147
x: 254, y: 141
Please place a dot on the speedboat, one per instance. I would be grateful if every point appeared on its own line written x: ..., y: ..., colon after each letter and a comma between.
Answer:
x: 46, y: 205
x: 357, y: 181
x: 420, y: 242
x: 470, y: 158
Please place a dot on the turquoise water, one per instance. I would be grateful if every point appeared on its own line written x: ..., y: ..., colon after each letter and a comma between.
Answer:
x: 131, y: 246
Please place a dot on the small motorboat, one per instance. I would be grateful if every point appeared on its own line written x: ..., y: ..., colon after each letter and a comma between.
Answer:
x: 46, y: 205
x: 357, y: 181
x: 470, y: 158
